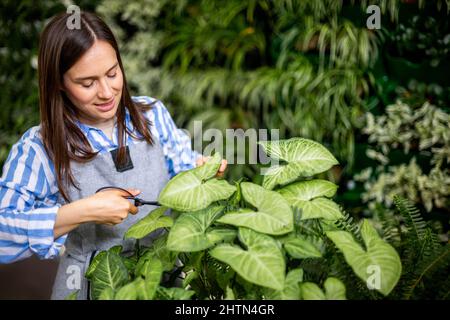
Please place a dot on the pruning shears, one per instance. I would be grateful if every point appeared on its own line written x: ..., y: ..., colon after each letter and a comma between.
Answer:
x: 137, y: 201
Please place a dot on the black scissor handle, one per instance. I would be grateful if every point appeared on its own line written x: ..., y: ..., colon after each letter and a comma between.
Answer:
x: 137, y: 201
x: 140, y: 202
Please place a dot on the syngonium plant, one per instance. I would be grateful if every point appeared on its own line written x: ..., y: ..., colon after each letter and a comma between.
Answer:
x: 246, y: 241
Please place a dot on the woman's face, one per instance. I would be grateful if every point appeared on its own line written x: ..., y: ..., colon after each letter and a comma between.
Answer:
x: 94, y: 85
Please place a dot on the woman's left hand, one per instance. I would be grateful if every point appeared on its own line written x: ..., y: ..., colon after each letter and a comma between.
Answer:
x: 201, y: 161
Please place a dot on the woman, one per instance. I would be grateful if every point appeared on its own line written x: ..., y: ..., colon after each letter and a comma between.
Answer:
x: 92, y: 134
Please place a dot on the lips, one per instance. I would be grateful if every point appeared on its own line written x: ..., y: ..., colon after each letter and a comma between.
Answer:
x: 105, y: 106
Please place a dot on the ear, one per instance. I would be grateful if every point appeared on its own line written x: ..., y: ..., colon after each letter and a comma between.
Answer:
x: 62, y: 87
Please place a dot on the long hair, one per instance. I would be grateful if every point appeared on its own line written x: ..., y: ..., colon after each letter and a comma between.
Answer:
x: 59, y: 49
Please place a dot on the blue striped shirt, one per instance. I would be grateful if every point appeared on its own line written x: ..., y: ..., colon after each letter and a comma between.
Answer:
x: 29, y: 191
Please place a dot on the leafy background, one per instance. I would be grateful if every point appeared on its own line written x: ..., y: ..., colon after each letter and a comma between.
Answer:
x: 377, y: 99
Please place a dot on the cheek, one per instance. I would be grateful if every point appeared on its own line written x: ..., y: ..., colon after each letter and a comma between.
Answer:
x: 117, y: 82
x: 81, y: 96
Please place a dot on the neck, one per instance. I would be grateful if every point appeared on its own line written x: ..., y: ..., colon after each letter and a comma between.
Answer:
x: 102, y: 125
x: 106, y: 126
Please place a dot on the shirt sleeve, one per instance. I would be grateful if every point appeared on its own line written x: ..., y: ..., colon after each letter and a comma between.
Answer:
x: 27, y: 206
x: 175, y: 142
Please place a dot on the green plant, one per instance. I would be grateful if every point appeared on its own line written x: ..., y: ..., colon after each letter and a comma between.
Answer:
x: 423, y: 38
x: 416, y: 93
x: 425, y: 259
x: 302, y: 67
x: 425, y: 130
x: 252, y: 64
x: 282, y: 240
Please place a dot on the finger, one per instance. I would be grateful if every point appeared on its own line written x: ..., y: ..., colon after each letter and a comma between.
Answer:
x: 133, y: 209
x: 223, y: 165
x: 134, y: 192
x: 219, y: 174
x: 199, y: 161
x: 202, y: 160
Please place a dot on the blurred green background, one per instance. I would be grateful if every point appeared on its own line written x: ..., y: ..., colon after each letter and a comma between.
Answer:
x: 378, y: 99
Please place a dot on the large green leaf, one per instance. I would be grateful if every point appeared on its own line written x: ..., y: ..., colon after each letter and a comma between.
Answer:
x: 174, y: 293
x: 144, y: 290
x: 130, y: 263
x: 107, y: 294
x: 192, y: 232
x: 307, y: 190
x: 299, y: 157
x: 152, y: 270
x: 90, y: 271
x: 291, y: 290
x: 229, y: 294
x: 109, y: 273
x: 320, y: 208
x: 274, y: 215
x: 378, y: 264
x: 146, y: 287
x: 116, y: 249
x: 197, y: 188
x: 190, y: 276
x: 301, y: 248
x: 310, y: 198
x: 334, y: 290
x: 72, y: 296
x: 154, y: 220
x: 218, y: 234
x: 158, y: 250
x: 127, y: 292
x: 262, y: 263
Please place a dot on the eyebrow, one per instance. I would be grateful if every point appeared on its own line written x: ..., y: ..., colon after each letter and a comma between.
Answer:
x: 94, y: 77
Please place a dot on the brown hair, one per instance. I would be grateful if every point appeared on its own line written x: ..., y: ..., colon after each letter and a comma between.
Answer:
x: 59, y: 50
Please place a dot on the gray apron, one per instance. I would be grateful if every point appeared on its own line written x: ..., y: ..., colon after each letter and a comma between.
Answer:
x: 149, y: 174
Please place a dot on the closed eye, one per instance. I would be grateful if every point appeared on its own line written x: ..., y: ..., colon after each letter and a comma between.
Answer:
x: 88, y: 85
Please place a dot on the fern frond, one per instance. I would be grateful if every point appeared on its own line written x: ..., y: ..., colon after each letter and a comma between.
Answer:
x: 347, y: 224
x: 429, y: 269
x: 390, y: 226
x: 424, y: 259
x: 310, y: 229
x: 444, y: 292
x: 414, y: 222
x: 430, y: 243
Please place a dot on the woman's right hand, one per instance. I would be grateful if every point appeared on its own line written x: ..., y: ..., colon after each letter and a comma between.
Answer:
x: 110, y: 207
x: 106, y: 207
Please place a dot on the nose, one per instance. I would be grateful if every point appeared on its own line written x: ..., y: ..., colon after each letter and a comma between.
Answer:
x: 104, y: 90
